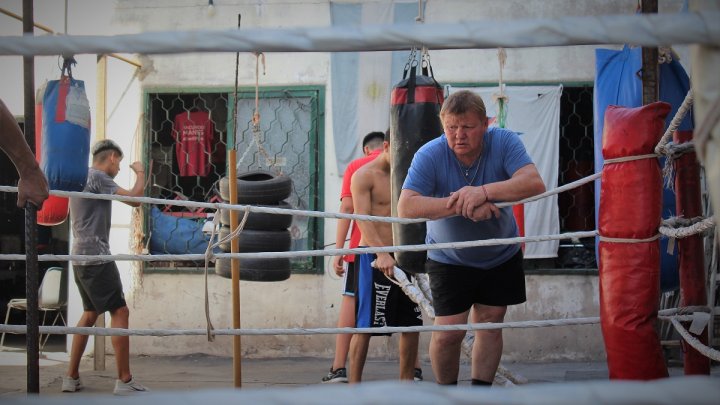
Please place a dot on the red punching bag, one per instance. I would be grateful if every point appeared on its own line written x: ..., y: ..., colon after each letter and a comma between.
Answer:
x: 630, y: 212
x: 55, y: 209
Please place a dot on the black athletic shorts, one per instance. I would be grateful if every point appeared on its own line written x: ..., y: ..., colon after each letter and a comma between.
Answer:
x: 100, y: 287
x: 349, y: 279
x: 380, y: 302
x: 456, y: 288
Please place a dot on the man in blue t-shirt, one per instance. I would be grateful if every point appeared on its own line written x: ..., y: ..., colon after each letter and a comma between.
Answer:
x: 454, y: 180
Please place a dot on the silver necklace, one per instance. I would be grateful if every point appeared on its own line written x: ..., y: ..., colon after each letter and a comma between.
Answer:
x: 466, y: 171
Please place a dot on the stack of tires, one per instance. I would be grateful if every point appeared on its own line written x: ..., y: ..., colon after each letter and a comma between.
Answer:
x: 262, y: 232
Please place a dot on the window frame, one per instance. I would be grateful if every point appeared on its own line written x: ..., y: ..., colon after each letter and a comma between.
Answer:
x: 316, y: 165
x: 547, y: 266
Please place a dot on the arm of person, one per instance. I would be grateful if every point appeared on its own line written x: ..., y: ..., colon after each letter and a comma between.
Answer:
x: 525, y: 182
x: 343, y: 225
x: 362, y: 201
x: 32, y: 185
x: 412, y: 204
x: 138, y: 188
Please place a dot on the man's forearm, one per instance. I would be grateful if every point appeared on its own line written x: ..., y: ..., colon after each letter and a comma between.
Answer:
x: 13, y: 143
x: 419, y: 206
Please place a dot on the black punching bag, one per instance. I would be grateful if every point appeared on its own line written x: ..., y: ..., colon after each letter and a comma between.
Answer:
x: 414, y: 120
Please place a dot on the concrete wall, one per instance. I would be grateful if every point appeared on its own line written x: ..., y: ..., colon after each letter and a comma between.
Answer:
x: 177, y: 300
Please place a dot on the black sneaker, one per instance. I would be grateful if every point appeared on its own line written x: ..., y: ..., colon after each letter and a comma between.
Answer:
x: 418, y: 375
x: 336, y: 376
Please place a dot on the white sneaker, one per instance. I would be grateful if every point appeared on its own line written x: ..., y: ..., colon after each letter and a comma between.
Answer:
x: 131, y: 387
x: 70, y: 384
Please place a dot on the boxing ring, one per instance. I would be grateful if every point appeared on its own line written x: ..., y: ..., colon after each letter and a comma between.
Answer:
x: 655, y: 30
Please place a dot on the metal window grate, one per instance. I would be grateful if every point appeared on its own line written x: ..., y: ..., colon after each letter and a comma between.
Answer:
x: 576, y: 207
x: 288, y: 141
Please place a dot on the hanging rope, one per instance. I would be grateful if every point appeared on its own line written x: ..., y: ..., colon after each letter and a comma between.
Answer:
x: 256, y: 113
x: 210, y: 255
x: 500, y: 98
x: 256, y: 130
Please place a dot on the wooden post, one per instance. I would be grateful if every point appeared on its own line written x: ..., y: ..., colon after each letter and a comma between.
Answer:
x: 650, y: 68
x: 100, y: 109
x: 235, y: 271
x: 234, y: 243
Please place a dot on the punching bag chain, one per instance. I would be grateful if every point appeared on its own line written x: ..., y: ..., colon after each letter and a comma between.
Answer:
x: 68, y: 63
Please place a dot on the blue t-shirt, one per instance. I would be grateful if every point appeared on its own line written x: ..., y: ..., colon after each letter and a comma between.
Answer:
x: 435, y: 172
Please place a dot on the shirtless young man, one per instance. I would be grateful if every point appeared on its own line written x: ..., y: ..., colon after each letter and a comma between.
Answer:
x: 379, y: 301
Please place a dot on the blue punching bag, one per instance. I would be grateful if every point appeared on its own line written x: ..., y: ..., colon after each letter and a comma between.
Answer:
x: 54, y: 210
x: 66, y: 134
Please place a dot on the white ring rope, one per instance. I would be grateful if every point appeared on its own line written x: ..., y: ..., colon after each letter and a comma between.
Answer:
x: 660, y: 148
x: 21, y: 329
x: 288, y: 211
x: 630, y: 158
x: 216, y: 206
x: 674, y: 150
x: 678, y: 228
x: 565, y: 187
x: 311, y: 253
x: 706, y: 351
x: 639, y: 29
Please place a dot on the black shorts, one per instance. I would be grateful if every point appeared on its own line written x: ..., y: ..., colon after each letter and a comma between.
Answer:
x: 380, y: 302
x: 100, y: 287
x: 349, y: 279
x: 456, y: 288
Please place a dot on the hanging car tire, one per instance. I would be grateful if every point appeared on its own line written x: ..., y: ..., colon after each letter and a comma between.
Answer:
x: 262, y: 221
x: 257, y: 187
x: 256, y: 269
x: 251, y: 240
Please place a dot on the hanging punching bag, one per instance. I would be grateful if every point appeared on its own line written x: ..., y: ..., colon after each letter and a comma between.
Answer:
x: 414, y: 120
x: 66, y: 132
x: 629, y: 216
x: 55, y: 209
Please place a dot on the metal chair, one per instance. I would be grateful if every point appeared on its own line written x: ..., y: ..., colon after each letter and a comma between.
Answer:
x: 51, y: 298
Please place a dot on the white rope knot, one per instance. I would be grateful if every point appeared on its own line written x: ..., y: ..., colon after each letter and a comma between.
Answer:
x: 678, y: 228
x: 673, y: 152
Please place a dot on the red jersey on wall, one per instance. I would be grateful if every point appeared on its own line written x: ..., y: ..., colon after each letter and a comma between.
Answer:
x: 193, y: 133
